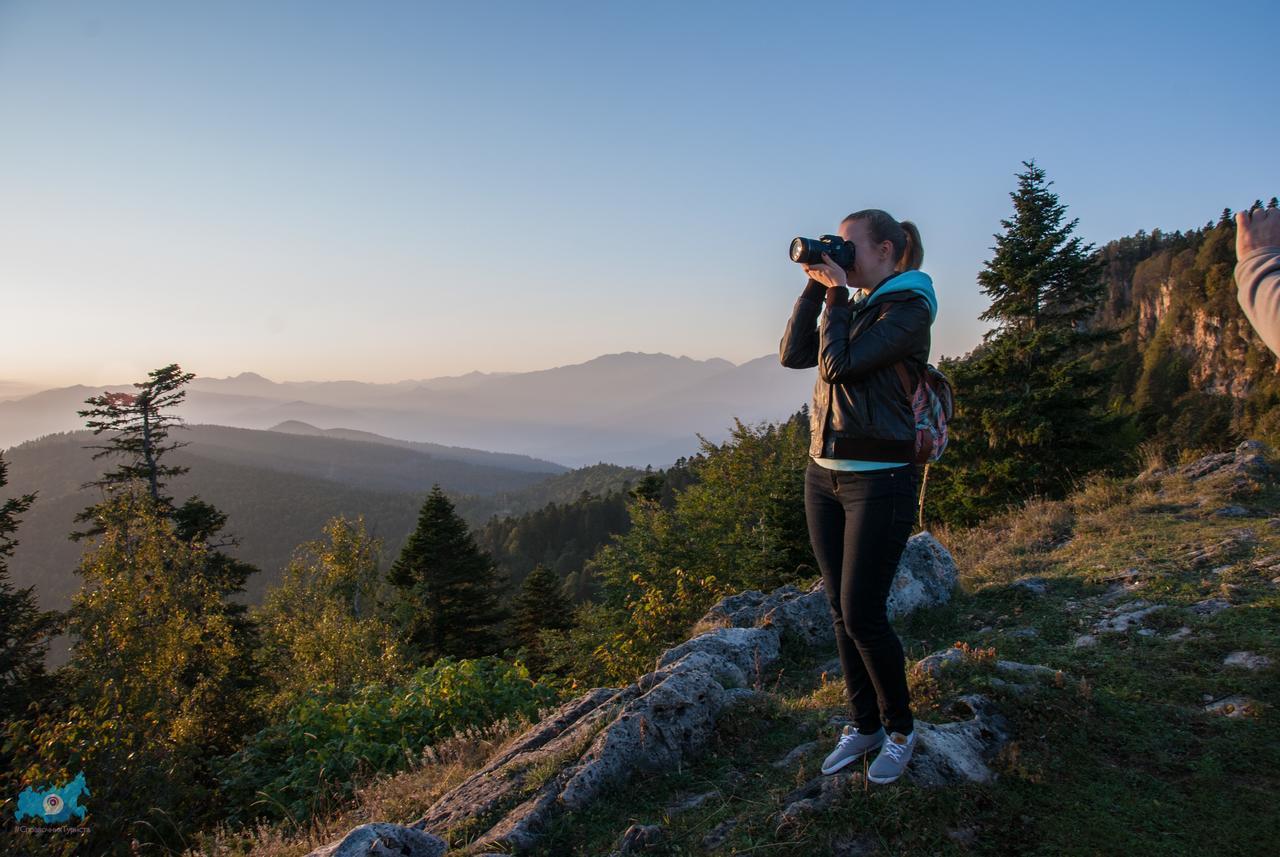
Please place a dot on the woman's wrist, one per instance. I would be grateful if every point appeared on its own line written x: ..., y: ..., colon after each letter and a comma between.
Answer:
x: 837, y: 296
x: 814, y: 290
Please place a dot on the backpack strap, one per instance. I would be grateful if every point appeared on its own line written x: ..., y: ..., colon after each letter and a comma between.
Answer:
x: 905, y: 377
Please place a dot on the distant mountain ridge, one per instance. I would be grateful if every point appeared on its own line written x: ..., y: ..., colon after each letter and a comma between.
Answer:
x: 631, y: 408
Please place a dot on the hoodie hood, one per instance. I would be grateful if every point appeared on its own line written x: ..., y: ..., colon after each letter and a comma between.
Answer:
x: 907, y: 281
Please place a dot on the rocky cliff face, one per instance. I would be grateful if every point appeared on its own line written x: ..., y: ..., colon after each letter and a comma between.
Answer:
x: 599, y: 739
x: 1184, y: 287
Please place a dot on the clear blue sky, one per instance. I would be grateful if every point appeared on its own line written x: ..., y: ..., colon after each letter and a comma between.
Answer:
x: 381, y: 191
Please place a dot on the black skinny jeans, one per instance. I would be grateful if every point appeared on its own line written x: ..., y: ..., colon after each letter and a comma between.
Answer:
x: 859, y: 524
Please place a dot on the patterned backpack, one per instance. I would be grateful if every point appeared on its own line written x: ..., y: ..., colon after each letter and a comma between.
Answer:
x: 933, y: 401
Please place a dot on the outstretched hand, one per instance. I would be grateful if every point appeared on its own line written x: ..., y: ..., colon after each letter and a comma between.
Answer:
x: 829, y: 273
x: 1257, y: 228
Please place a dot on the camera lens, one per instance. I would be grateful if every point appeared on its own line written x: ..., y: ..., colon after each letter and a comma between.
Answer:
x: 797, y: 249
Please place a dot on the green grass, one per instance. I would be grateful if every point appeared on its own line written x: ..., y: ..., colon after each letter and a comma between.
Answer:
x: 1117, y: 758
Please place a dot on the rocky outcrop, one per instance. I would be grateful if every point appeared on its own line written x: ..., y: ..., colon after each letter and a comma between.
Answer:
x: 926, y: 577
x: 384, y: 840
x: 1247, y: 461
x: 604, y: 736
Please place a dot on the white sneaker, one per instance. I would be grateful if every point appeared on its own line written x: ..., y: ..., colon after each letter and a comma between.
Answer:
x: 893, y: 758
x: 852, y: 745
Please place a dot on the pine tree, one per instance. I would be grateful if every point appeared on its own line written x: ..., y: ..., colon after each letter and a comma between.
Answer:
x: 141, y: 427
x: 447, y: 588
x: 1030, y: 411
x: 24, y: 640
x: 540, y: 604
x: 1040, y: 274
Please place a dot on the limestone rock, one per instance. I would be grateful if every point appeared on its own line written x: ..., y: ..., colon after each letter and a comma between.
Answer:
x: 691, y: 802
x: 380, y: 839
x: 718, y: 834
x: 1246, y: 660
x: 1248, y: 459
x: 796, y: 754
x: 1034, y: 585
x: 926, y: 577
x: 1122, y: 618
x: 639, y: 838
x: 959, y: 752
x: 1209, y: 606
x: 817, y: 795
x: 1232, y: 706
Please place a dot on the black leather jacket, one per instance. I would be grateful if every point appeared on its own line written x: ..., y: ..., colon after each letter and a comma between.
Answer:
x: 860, y: 409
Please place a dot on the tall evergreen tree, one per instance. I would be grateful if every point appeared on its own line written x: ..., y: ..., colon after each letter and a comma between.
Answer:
x: 446, y: 601
x: 25, y: 630
x: 1030, y: 412
x: 1041, y: 275
x: 140, y: 427
x: 540, y: 605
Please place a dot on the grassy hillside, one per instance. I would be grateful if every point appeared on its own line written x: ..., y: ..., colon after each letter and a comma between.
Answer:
x: 277, y: 490
x: 1145, y: 743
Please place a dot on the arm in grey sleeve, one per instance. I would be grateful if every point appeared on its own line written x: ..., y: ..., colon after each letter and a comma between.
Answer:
x: 1258, y: 290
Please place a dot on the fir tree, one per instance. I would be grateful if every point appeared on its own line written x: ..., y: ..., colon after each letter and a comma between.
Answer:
x: 1040, y: 274
x: 24, y: 640
x: 540, y: 604
x: 141, y: 427
x: 447, y: 588
x: 1030, y: 412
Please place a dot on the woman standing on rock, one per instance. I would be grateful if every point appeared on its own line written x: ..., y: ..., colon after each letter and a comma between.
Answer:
x: 860, y: 482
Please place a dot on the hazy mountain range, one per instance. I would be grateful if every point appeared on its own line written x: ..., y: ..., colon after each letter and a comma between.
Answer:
x: 629, y: 409
x: 282, y: 458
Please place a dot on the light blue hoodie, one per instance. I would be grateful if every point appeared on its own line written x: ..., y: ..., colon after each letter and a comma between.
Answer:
x: 907, y: 281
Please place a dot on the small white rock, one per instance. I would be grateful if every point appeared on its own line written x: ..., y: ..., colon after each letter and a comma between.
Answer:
x: 1247, y: 660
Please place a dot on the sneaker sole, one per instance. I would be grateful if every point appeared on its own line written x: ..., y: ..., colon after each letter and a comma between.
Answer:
x: 882, y: 780
x: 838, y: 765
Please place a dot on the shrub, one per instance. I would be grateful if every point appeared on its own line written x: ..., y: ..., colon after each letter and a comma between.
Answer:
x: 331, y: 740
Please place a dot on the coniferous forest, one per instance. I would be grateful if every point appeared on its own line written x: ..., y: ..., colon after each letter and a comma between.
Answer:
x: 188, y: 711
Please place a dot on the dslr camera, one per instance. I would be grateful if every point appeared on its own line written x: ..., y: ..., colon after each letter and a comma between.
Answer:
x: 809, y: 250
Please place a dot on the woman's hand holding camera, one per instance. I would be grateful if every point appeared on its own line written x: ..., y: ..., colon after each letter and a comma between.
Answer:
x: 829, y: 273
